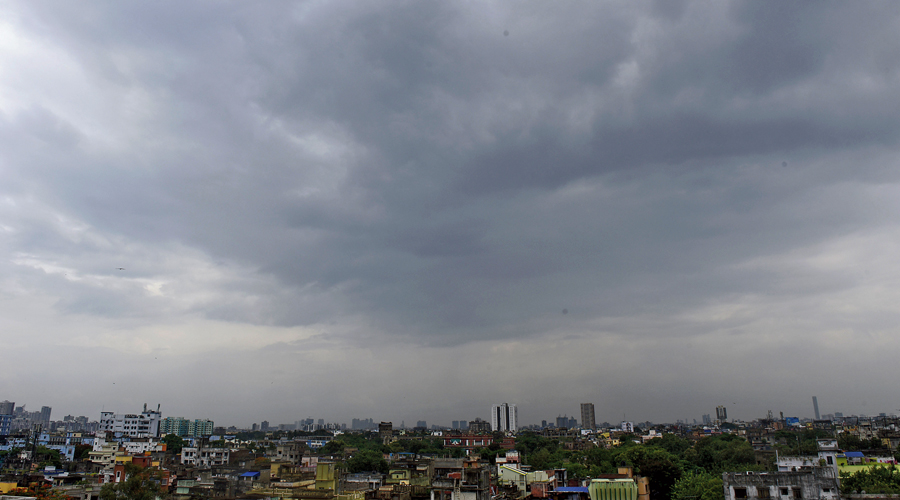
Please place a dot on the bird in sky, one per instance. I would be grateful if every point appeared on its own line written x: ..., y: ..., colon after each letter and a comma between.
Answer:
x: 120, y: 268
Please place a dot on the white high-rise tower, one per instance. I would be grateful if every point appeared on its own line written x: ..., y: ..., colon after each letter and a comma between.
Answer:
x: 504, y: 417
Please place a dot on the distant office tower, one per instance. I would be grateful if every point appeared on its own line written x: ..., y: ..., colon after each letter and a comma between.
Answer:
x: 706, y: 419
x: 421, y: 423
x: 816, y: 407
x: 588, y: 421
x: 504, y: 417
x: 562, y: 421
x: 264, y: 425
x: 45, y: 415
x: 721, y: 414
x: 7, y: 408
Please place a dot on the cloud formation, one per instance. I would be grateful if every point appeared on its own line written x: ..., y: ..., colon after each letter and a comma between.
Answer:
x: 347, y: 210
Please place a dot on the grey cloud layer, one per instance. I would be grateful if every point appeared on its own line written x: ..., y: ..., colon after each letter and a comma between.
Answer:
x: 448, y: 173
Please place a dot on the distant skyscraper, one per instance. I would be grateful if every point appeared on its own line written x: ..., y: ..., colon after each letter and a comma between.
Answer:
x: 7, y: 408
x: 721, y: 414
x: 45, y: 415
x: 422, y: 423
x: 816, y: 407
x: 588, y: 420
x: 504, y: 417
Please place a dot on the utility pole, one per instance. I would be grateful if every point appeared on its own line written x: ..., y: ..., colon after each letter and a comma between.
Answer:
x: 34, y: 439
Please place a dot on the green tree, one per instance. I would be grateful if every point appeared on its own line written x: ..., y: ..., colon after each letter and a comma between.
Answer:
x: 44, y: 456
x: 332, y: 448
x: 174, y: 443
x: 879, y: 479
x: 83, y: 451
x: 661, y: 467
x: 717, y: 454
x: 366, y: 461
x: 139, y: 484
x: 673, y: 444
x: 698, y: 486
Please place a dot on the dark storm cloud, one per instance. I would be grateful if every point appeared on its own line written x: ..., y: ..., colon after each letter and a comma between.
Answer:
x: 451, y: 126
x: 454, y: 175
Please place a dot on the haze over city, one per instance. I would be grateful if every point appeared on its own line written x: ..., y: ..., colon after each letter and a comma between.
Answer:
x: 415, y: 210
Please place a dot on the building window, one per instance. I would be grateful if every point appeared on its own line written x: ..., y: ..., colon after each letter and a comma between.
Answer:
x: 784, y: 492
x: 740, y: 493
x: 762, y: 492
x: 798, y: 493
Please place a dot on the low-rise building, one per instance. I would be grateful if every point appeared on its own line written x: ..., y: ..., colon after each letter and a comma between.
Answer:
x: 818, y: 483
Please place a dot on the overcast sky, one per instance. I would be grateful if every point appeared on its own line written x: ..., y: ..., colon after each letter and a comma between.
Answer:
x: 410, y: 210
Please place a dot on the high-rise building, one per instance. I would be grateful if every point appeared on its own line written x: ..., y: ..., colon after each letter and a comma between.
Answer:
x: 504, y: 417
x: 5, y: 424
x: 588, y: 420
x: 721, y: 413
x: 45, y: 415
x: 816, y: 407
x: 7, y: 408
x: 421, y: 423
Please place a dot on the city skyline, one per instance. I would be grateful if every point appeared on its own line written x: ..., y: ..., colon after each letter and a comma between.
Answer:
x: 443, y: 421
x: 416, y: 210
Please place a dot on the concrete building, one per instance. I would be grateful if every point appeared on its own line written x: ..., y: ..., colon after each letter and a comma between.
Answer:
x: 819, y: 483
x: 479, y: 426
x: 7, y: 408
x: 504, y: 418
x: 385, y: 430
x: 588, y: 419
x: 291, y: 452
x: 456, y: 479
x: 5, y: 424
x: 183, y: 427
x: 204, y: 457
x: 145, y: 424
x: 721, y: 413
x: 468, y: 442
x: 45, y: 415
